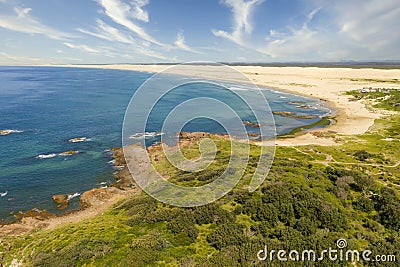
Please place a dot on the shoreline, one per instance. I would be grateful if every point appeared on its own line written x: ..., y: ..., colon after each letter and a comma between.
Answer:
x: 92, y: 203
x: 325, y: 84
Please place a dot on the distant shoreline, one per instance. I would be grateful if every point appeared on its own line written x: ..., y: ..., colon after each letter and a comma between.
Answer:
x: 327, y: 84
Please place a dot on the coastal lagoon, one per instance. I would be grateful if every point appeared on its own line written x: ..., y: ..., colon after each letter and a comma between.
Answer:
x: 61, y: 124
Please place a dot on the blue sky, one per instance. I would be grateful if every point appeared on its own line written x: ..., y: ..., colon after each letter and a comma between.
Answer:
x: 141, y: 31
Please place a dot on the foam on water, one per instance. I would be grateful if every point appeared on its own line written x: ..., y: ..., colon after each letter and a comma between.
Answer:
x: 74, y: 195
x: 47, y: 156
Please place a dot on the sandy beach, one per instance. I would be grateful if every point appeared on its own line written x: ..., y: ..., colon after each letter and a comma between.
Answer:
x: 328, y: 84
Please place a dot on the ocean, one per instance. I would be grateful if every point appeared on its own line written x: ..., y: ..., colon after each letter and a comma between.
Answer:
x: 45, y: 108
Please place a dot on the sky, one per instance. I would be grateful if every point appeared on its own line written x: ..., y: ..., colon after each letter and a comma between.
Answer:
x: 151, y: 31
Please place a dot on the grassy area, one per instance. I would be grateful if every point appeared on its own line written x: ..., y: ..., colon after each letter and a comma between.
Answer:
x: 312, y: 196
x: 395, y: 81
x: 389, y: 101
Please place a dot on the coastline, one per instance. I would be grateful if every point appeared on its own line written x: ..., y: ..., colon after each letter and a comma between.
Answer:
x: 351, y: 117
x: 92, y: 203
x: 326, y: 84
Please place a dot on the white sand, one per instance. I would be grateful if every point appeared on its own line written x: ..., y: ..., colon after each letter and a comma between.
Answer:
x: 328, y: 84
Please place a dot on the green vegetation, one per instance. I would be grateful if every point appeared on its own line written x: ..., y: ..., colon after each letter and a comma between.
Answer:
x: 312, y: 197
x: 323, y: 122
x: 375, y: 80
x: 389, y: 100
x: 301, y: 84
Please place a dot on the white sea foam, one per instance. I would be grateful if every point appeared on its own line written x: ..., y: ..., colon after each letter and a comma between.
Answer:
x: 146, y: 134
x: 4, y: 194
x: 248, y: 88
x: 46, y: 156
x: 118, y: 167
x: 79, y: 140
x: 238, y: 89
x: 74, y: 195
x: 7, y: 132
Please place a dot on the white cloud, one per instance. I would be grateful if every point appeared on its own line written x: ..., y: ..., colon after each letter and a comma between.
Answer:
x: 372, y: 24
x: 123, y: 14
x: 153, y: 54
x: 22, y: 21
x: 242, y: 12
x: 128, y: 52
x: 112, y: 34
x: 84, y: 48
x: 138, y: 12
x: 180, y: 43
x: 298, y: 43
x: 109, y: 33
x: 7, y: 58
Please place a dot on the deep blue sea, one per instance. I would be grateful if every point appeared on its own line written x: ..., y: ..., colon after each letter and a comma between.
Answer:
x: 48, y: 106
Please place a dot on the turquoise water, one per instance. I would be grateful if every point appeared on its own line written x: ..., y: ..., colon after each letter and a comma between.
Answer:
x: 50, y: 106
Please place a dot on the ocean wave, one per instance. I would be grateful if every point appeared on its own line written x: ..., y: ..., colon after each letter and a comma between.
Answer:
x: 7, y: 132
x: 79, y: 140
x: 4, y: 194
x: 144, y: 135
x: 280, y: 92
x: 46, y: 156
x: 118, y: 168
x: 53, y: 155
x: 238, y: 89
x: 248, y: 88
x: 74, y: 195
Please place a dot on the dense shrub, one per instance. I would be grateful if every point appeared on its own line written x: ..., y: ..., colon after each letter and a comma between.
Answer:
x: 363, y: 204
x: 184, y: 223
x: 229, y: 234
x: 362, y: 155
x: 388, y: 206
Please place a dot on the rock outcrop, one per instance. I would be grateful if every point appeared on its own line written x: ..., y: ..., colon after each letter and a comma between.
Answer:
x: 98, y: 196
x: 69, y: 153
x: 292, y: 115
x: 62, y: 201
x: 252, y: 124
